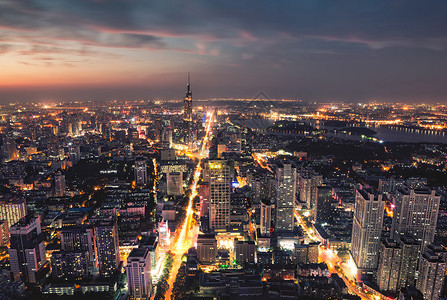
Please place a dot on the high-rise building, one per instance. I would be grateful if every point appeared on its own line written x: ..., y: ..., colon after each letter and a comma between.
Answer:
x: 138, y: 271
x: 140, y: 172
x: 74, y: 152
x: 9, y: 147
x: 266, y: 217
x: 59, y: 185
x: 285, y: 198
x: 415, y: 215
x: 206, y: 248
x: 431, y: 273
x: 219, y: 195
x: 107, y: 244
x: 81, y: 239
x: 27, y: 249
x: 12, y: 210
x: 174, y: 183
x: 366, y: 229
x: 4, y: 233
x: 389, y: 265
x: 323, y: 205
x: 409, y: 263
x: 187, y: 115
x: 245, y: 252
x: 69, y: 265
x: 307, y: 182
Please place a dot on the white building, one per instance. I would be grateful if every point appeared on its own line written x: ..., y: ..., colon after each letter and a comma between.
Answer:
x: 366, y: 229
x: 138, y: 271
x: 285, y: 198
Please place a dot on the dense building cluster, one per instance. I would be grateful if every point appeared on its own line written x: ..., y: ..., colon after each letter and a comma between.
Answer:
x: 277, y: 199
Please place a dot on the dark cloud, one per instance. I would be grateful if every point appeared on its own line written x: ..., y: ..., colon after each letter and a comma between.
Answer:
x: 344, y: 49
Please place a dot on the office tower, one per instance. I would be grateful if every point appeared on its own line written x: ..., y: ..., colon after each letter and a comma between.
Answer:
x: 138, y: 272
x: 323, y: 205
x: 366, y: 229
x: 81, y: 239
x: 187, y: 115
x: 431, y: 272
x: 133, y: 135
x: 174, y: 183
x: 107, y: 244
x: 285, y: 198
x: 74, y: 153
x: 308, y: 181
x: 219, y: 184
x: 27, y: 249
x: 415, y: 215
x: 245, y: 252
x: 389, y: 265
x: 69, y: 265
x: 409, y: 263
x: 206, y: 248
x: 59, y: 185
x: 9, y: 147
x: 140, y: 172
x: 4, y: 233
x: 12, y: 210
x: 266, y: 217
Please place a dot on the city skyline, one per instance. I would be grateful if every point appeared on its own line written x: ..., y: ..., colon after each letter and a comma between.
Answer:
x: 318, y: 51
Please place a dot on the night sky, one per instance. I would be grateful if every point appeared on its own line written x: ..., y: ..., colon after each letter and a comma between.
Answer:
x: 62, y: 50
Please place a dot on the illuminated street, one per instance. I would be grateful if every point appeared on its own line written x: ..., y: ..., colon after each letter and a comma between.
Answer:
x: 187, y: 235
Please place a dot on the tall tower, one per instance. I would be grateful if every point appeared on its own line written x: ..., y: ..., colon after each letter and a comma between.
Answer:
x: 187, y: 114
x: 415, y: 215
x: 366, y: 230
x: 138, y: 271
x: 219, y: 203
x: 285, y: 198
x: 140, y: 172
x: 27, y: 249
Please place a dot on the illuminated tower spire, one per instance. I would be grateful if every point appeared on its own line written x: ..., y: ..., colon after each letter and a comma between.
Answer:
x: 187, y: 114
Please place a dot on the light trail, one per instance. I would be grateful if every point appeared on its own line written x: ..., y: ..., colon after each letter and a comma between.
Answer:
x: 187, y: 235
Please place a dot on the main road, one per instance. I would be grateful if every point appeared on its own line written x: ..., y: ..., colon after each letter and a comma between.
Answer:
x: 186, y: 236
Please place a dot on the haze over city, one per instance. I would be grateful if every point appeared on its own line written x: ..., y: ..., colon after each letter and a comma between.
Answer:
x: 311, y: 50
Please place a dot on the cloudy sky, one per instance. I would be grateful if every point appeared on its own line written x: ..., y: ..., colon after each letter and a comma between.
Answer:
x: 392, y: 50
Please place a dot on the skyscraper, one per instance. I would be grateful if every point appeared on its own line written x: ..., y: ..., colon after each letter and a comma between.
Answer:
x: 187, y: 115
x: 81, y: 239
x: 140, y: 172
x: 174, y: 182
x: 4, y: 233
x: 266, y: 217
x: 415, y: 215
x: 389, y: 265
x: 366, y: 229
x: 138, y: 271
x: 285, y: 197
x: 323, y: 204
x: 206, y: 248
x: 27, y: 249
x: 107, y: 244
x: 59, y: 185
x: 12, y: 210
x: 219, y: 196
x: 431, y: 271
x: 409, y: 263
x: 9, y: 147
